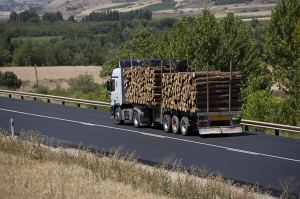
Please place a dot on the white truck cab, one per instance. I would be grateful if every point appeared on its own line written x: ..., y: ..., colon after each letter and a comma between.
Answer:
x: 117, y: 87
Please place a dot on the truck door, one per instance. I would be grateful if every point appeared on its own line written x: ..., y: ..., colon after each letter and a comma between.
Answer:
x: 116, y: 96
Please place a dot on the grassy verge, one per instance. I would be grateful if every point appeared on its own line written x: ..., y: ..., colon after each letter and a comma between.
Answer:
x: 34, y: 171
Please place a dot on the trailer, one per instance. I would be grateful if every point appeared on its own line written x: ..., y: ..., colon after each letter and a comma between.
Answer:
x: 171, y: 119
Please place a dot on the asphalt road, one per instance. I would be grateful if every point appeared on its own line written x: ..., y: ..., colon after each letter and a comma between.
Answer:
x: 254, y: 158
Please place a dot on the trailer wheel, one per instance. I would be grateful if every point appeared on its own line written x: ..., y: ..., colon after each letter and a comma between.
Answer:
x: 175, y: 124
x: 136, y: 119
x: 167, y: 123
x: 118, y: 116
x: 185, y: 126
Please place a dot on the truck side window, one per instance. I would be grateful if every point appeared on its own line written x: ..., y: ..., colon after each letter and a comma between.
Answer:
x: 113, y: 88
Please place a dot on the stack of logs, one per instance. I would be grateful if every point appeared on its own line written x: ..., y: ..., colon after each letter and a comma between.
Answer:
x: 188, y: 91
x: 143, y: 85
x: 182, y: 91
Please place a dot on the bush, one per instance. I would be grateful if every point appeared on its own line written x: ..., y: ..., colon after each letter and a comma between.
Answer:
x: 10, y: 80
x: 262, y: 106
x: 83, y: 83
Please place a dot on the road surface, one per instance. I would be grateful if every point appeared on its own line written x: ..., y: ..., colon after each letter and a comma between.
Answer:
x: 260, y: 159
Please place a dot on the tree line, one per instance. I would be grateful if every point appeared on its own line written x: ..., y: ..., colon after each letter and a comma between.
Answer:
x: 108, y: 15
x: 115, y: 15
x: 31, y: 15
x: 47, y: 43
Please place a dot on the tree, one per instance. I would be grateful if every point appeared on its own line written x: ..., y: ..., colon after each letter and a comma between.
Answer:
x: 141, y: 45
x: 280, y: 49
x: 28, y: 15
x: 238, y: 46
x: 205, y: 40
x: 5, y: 56
x: 29, y: 55
x: 181, y: 42
x: 52, y: 17
x: 71, y: 18
x: 13, y: 17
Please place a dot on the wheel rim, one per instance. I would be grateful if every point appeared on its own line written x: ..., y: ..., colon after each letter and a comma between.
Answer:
x: 174, y: 126
x: 117, y: 114
x: 183, y: 127
x: 165, y: 124
x: 135, y: 121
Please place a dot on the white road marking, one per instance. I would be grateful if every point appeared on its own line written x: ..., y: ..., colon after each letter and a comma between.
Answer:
x: 154, y: 135
x: 242, y: 151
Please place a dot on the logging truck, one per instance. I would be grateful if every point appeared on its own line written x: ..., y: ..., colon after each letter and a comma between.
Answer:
x: 178, y: 100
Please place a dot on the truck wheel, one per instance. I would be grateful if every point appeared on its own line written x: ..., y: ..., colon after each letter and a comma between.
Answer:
x: 118, y: 116
x: 136, y: 119
x: 185, y: 126
x: 167, y: 123
x: 175, y: 124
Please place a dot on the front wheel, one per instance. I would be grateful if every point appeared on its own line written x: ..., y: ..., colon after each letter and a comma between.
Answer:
x: 118, y: 116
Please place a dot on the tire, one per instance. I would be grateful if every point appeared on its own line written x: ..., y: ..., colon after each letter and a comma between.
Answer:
x: 167, y: 123
x: 136, y: 119
x: 185, y: 126
x: 175, y: 124
x: 118, y: 113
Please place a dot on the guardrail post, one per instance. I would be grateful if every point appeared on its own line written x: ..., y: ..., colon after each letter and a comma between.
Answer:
x: 34, y: 98
x: 9, y: 95
x: 48, y: 100
x: 12, y: 127
x: 277, y: 132
x: 95, y: 107
x: 22, y: 97
x: 78, y: 105
x: 63, y: 102
x: 246, y: 128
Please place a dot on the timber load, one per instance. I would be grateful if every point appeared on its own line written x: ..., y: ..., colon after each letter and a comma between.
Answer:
x: 190, y: 91
x: 143, y: 85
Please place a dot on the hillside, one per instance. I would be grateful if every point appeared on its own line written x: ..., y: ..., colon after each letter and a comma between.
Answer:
x: 160, y: 9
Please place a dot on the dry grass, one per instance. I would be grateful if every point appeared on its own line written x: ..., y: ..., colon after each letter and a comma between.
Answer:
x: 31, y: 170
x: 50, y: 74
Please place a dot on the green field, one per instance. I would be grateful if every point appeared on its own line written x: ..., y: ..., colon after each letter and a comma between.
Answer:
x: 161, y: 6
x: 116, y: 7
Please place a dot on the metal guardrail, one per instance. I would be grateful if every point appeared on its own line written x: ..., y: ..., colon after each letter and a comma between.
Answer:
x: 63, y: 100
x: 95, y: 104
x: 266, y: 125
